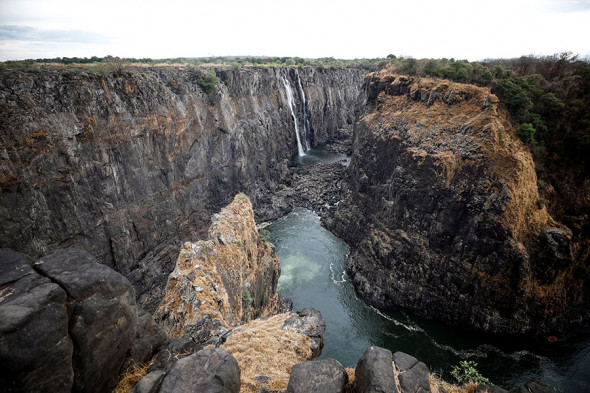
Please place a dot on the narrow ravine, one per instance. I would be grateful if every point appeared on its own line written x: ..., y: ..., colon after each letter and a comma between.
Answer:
x: 313, y: 263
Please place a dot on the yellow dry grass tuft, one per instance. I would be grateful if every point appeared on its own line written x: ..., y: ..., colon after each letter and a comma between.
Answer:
x: 437, y: 385
x: 131, y: 375
x: 262, y: 348
x: 349, y: 388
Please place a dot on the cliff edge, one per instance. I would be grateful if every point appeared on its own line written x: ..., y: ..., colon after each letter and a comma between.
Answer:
x: 443, y: 213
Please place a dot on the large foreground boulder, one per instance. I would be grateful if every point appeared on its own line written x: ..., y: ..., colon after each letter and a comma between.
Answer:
x: 374, y: 372
x: 35, y: 347
x: 320, y: 376
x: 66, y: 323
x: 209, y: 370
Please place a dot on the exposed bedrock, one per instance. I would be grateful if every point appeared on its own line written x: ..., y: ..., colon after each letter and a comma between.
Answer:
x: 231, y: 277
x: 67, y: 323
x: 442, y: 212
x: 130, y: 165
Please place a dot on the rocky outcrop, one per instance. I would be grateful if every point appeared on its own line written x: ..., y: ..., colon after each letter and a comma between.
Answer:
x: 126, y: 165
x: 231, y: 277
x: 68, y: 323
x: 442, y: 212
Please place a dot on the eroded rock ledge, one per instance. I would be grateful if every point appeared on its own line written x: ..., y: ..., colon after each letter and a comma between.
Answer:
x: 442, y: 212
x: 231, y: 277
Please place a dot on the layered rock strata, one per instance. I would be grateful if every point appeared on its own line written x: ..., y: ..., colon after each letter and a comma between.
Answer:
x: 231, y: 277
x: 126, y: 164
x: 442, y: 212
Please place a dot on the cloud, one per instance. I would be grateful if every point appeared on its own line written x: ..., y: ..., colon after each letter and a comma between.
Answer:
x: 28, y: 33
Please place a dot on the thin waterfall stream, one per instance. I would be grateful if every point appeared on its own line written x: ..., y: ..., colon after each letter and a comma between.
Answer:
x: 293, y: 108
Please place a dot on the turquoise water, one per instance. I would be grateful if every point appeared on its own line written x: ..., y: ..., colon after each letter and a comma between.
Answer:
x: 322, y: 154
x: 313, y: 275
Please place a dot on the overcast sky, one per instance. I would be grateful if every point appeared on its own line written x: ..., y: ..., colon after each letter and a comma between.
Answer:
x: 464, y: 29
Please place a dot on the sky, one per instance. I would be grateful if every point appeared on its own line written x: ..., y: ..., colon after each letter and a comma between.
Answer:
x: 463, y: 29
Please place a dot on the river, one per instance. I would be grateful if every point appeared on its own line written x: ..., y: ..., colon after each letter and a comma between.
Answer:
x: 313, y: 263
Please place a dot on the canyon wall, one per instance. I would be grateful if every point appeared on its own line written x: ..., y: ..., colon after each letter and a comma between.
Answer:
x: 442, y: 212
x: 128, y: 165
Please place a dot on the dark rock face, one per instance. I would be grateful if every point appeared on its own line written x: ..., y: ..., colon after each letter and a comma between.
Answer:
x: 67, y: 323
x: 533, y: 386
x: 310, y: 322
x: 413, y: 376
x: 319, y: 376
x: 129, y: 165
x: 35, y: 348
x: 209, y: 370
x: 103, y: 315
x: 149, y: 337
x: 374, y: 372
x: 173, y: 350
x: 441, y: 213
x: 490, y: 389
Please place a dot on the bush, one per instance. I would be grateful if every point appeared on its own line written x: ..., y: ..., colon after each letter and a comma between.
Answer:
x: 466, y: 371
x: 246, y: 299
x: 209, y: 82
x: 526, y: 133
x: 461, y: 74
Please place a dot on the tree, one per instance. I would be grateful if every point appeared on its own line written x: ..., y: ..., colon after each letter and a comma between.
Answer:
x: 410, y: 65
x: 461, y: 74
x: 391, y: 57
x: 431, y: 68
x: 526, y: 133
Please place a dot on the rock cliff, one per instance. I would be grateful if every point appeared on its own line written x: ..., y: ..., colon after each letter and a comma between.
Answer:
x: 231, y: 277
x: 442, y: 212
x: 127, y: 165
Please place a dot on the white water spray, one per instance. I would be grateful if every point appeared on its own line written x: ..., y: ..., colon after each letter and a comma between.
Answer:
x: 293, y: 113
x: 306, y: 127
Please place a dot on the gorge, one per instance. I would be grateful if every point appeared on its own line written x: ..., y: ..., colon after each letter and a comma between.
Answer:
x: 438, y: 200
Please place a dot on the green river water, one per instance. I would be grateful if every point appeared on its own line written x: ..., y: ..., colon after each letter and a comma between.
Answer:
x: 313, y: 263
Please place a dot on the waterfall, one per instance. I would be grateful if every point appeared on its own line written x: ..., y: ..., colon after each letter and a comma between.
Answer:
x: 306, y: 127
x: 293, y: 112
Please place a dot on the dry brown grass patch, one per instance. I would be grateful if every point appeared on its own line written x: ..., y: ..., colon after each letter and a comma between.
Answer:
x: 263, y: 348
x: 437, y: 385
x: 131, y: 375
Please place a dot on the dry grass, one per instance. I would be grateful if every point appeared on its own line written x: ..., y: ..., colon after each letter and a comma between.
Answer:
x: 437, y: 385
x: 349, y: 388
x: 130, y: 376
x: 263, y: 348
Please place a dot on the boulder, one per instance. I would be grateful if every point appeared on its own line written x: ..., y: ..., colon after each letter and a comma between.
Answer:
x: 413, y: 376
x: 489, y: 389
x: 533, y: 386
x: 173, y: 350
x: 148, y: 339
x: 309, y: 322
x: 209, y: 370
x: 319, y: 376
x: 374, y: 372
x: 103, y: 315
x: 35, y: 349
x: 416, y: 379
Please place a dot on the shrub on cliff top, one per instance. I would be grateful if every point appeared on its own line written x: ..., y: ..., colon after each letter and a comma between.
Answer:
x: 209, y: 82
